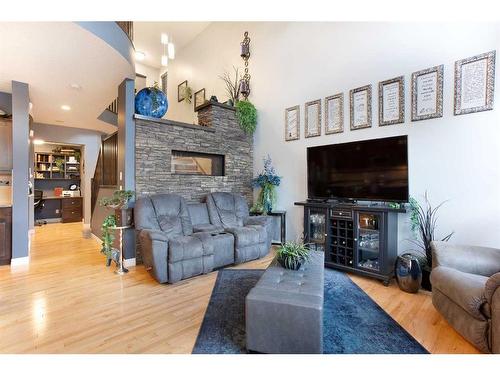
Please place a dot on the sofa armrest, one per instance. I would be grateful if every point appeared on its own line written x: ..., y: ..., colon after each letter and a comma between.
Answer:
x: 154, y: 247
x: 478, y: 260
x: 491, y: 287
x: 492, y: 292
x: 258, y: 220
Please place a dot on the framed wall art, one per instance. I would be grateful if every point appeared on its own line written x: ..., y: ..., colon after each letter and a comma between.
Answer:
x: 292, y: 123
x: 391, y: 101
x: 334, y: 114
x: 475, y: 83
x: 164, y: 82
x: 199, y: 99
x: 360, y: 101
x: 181, y: 91
x: 427, y: 93
x: 313, y: 118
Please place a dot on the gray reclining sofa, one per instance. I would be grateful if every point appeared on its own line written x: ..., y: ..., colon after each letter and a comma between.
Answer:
x: 180, y: 240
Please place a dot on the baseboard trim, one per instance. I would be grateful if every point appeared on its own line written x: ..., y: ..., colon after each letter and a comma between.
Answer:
x: 21, y: 261
x: 129, y: 262
x: 92, y: 235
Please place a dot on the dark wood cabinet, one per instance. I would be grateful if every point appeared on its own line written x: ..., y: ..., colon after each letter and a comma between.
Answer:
x: 71, y: 210
x: 5, y: 235
x: 356, y: 238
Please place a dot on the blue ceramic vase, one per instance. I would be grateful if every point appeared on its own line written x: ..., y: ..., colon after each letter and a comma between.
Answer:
x: 151, y: 102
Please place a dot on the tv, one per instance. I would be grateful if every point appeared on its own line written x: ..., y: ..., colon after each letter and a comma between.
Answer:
x: 373, y: 170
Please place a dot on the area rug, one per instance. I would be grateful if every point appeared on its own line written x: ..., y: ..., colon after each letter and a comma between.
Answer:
x: 353, y: 322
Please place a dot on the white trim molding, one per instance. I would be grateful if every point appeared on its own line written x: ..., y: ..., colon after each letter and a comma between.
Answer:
x: 21, y: 261
x: 129, y: 262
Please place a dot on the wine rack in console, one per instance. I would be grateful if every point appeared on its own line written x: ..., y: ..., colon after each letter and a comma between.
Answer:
x: 357, y: 238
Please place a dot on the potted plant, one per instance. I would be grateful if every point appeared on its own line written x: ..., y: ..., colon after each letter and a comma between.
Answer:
x: 247, y: 116
x: 423, y: 220
x: 291, y: 255
x: 108, y: 238
x: 267, y: 180
x: 232, y: 87
x: 119, y: 202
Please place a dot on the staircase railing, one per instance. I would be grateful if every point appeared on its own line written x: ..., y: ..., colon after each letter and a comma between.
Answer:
x: 128, y: 28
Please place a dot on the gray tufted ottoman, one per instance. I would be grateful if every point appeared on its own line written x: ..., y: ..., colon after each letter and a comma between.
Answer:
x: 284, y: 311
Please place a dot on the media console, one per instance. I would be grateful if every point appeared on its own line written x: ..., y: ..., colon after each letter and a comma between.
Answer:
x: 356, y: 238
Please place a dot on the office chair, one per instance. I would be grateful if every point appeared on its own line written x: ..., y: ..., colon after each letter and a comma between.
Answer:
x: 39, y: 204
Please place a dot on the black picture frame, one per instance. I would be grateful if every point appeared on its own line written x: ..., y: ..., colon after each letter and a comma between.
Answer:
x: 181, y: 95
x: 198, y: 99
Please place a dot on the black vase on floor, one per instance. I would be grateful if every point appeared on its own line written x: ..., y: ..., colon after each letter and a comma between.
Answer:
x: 408, y: 273
x: 426, y: 279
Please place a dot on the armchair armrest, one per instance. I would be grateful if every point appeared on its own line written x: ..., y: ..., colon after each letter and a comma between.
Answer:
x: 154, y: 246
x: 491, y: 286
x: 492, y: 293
x: 257, y: 220
x: 478, y: 260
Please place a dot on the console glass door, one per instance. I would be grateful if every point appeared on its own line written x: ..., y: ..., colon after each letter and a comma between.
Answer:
x: 368, y: 241
x: 317, y: 229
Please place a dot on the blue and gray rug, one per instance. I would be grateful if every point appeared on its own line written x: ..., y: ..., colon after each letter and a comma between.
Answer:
x: 353, y: 322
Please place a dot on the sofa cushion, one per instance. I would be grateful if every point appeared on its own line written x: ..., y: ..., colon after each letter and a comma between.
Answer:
x: 227, y: 209
x: 172, y: 214
x: 249, y: 235
x: 184, y: 247
x: 465, y: 289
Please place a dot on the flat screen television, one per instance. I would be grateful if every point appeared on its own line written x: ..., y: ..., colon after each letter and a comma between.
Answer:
x: 373, y: 170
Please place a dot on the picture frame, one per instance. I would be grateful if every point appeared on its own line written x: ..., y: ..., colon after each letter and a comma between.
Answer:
x: 427, y: 93
x: 391, y: 101
x: 360, y: 103
x: 474, y: 83
x: 164, y: 82
x: 312, y: 127
x: 334, y: 113
x: 199, y: 99
x: 292, y: 123
x: 181, y: 91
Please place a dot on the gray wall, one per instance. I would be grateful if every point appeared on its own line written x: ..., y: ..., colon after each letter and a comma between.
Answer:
x: 155, y: 141
x: 20, y: 176
x: 6, y: 102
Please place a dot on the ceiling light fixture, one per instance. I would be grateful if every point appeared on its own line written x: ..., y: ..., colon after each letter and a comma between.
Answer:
x: 65, y: 107
x: 171, y: 51
x: 76, y: 86
x: 139, y: 56
x: 38, y: 141
x: 164, y: 39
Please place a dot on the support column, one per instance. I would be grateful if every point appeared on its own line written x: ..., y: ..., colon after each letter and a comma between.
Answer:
x: 126, y: 154
x: 20, y: 175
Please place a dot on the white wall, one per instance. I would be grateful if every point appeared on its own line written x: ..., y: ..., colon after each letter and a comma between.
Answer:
x: 91, y: 140
x: 455, y: 157
x: 152, y: 74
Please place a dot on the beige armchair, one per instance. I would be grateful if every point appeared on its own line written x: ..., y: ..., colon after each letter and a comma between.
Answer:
x: 466, y: 291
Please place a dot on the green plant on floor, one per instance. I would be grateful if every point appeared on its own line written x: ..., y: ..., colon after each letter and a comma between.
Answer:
x: 423, y: 220
x: 108, y: 238
x: 59, y: 162
x: 292, y: 254
x: 119, y: 199
x: 247, y: 116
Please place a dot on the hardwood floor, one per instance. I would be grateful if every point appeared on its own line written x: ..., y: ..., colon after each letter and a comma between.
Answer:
x: 67, y: 301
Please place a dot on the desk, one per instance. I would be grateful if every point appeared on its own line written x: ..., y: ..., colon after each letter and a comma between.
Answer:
x: 68, y: 209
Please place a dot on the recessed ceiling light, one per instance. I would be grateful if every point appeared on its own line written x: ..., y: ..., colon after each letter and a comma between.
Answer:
x: 139, y: 56
x: 38, y: 141
x: 76, y: 86
x: 65, y: 107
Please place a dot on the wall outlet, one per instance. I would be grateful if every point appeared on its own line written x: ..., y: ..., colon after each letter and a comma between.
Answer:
x: 57, y: 210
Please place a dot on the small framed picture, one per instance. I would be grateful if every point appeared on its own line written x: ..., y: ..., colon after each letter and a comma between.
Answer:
x: 475, y: 83
x: 427, y: 93
x: 334, y: 114
x: 391, y: 101
x: 181, y: 91
x: 164, y: 82
x: 199, y: 99
x: 292, y: 123
x: 313, y: 118
x: 360, y: 100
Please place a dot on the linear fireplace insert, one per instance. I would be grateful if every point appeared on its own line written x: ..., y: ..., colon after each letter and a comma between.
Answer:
x: 197, y: 163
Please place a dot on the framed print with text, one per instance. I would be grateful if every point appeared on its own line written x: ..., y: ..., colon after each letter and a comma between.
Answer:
x: 181, y: 91
x: 334, y: 114
x: 313, y: 118
x: 199, y: 99
x: 475, y: 83
x: 427, y: 94
x: 391, y: 101
x: 360, y: 101
x: 292, y: 123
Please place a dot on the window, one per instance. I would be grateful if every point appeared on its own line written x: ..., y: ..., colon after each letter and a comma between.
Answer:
x: 197, y: 163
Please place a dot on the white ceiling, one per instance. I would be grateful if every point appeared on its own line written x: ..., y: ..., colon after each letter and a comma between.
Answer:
x: 147, y: 37
x: 50, y: 56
